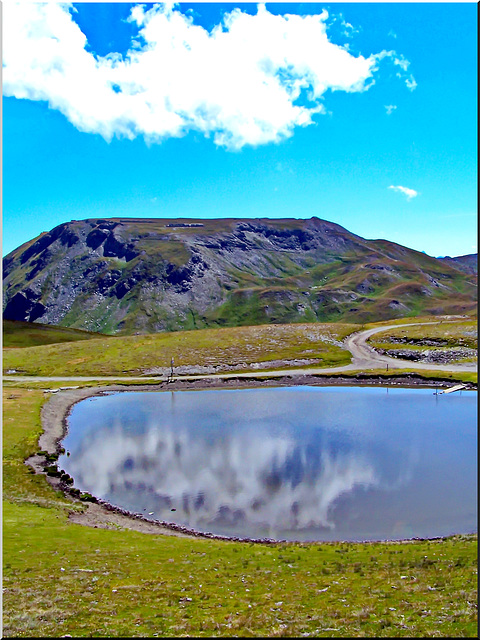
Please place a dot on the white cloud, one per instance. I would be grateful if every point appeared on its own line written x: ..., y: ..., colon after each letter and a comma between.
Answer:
x: 390, y: 108
x: 239, y: 83
x: 411, y: 83
x: 410, y: 193
x: 402, y: 63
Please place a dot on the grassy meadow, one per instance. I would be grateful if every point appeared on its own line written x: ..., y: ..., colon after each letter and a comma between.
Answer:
x: 459, y: 333
x: 29, y: 350
x: 62, y: 578
x: 136, y: 355
x: 17, y: 334
x: 438, y: 337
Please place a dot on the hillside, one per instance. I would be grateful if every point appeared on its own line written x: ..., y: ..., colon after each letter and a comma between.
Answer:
x: 468, y: 263
x: 127, y: 275
x: 28, y: 334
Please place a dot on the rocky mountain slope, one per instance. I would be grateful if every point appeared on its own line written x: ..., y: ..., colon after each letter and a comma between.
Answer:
x: 468, y: 263
x: 127, y: 275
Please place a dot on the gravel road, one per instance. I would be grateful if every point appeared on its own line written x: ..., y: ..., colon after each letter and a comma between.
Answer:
x: 364, y: 357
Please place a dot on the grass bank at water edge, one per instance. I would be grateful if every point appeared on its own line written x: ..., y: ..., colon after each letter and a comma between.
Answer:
x: 62, y: 578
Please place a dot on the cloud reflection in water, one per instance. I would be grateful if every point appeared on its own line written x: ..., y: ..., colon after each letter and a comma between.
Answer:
x: 248, y: 464
x: 271, y: 481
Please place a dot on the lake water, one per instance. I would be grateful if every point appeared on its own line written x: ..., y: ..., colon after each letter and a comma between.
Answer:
x: 299, y: 463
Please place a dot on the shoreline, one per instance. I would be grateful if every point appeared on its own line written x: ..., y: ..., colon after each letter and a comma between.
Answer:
x: 101, y: 514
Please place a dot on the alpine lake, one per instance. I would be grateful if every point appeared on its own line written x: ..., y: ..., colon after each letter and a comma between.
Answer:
x: 301, y: 463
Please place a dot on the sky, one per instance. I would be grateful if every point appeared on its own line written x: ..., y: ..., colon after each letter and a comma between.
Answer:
x: 361, y: 114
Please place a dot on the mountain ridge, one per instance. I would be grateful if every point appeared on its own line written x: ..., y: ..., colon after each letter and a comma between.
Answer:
x: 467, y: 263
x: 128, y: 275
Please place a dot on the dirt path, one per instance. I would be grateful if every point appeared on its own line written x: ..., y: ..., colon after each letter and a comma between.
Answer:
x: 364, y: 357
x: 56, y: 410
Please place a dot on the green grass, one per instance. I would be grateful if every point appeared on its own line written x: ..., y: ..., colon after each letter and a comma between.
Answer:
x: 172, y: 251
x: 215, y: 347
x: 62, y: 578
x: 454, y: 334
x: 260, y: 305
x: 21, y: 430
x: 17, y: 334
x: 455, y: 318
x: 459, y: 333
x: 426, y: 375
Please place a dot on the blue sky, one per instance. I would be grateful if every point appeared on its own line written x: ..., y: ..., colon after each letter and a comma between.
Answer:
x: 361, y: 114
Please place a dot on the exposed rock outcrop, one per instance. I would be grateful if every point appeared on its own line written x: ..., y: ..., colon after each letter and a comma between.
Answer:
x: 143, y: 275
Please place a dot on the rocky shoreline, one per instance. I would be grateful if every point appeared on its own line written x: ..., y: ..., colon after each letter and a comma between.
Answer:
x: 431, y: 356
x: 101, y: 514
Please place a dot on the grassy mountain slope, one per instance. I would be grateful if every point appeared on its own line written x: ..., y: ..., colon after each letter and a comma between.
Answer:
x: 146, y: 275
x: 468, y: 263
x: 18, y: 334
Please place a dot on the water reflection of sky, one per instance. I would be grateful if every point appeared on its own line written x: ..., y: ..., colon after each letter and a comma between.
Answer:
x: 299, y: 463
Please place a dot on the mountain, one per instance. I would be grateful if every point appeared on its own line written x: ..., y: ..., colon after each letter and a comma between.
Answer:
x: 127, y: 275
x: 468, y: 263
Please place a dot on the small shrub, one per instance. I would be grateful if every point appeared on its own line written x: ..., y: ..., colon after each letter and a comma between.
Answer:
x: 87, y: 497
x: 66, y: 478
x: 52, y: 470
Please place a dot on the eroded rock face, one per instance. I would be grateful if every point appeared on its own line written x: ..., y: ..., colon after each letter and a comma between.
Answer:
x: 107, y: 281
x: 364, y: 287
x: 39, y: 263
x: 140, y: 275
x: 433, y: 356
x: 96, y: 237
x: 63, y: 232
x: 113, y: 248
x: 468, y: 263
x: 179, y: 276
x: 24, y: 306
x: 102, y: 238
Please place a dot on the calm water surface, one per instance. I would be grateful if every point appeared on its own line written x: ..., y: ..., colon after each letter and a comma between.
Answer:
x: 300, y: 463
